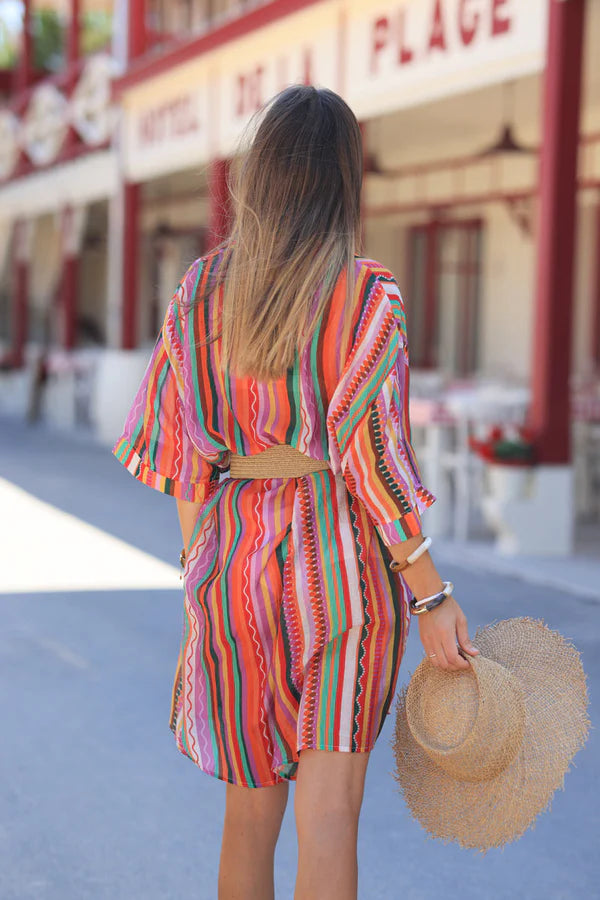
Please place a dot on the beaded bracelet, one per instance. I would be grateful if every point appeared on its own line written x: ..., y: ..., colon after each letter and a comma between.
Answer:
x: 396, y: 566
x: 418, y: 607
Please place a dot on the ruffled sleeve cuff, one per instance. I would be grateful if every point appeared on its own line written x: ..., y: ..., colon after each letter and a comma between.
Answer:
x: 182, y: 490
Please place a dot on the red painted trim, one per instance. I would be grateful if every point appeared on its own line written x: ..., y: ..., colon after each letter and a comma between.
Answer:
x: 24, y: 69
x: 463, y: 276
x: 20, y: 299
x: 553, y: 326
x: 137, y: 36
x: 422, y: 352
x: 595, y: 329
x: 407, y: 275
x: 427, y: 168
x: 417, y: 353
x: 466, y: 271
x: 466, y: 224
x: 449, y: 205
x: 181, y: 52
x: 75, y: 150
x: 73, y: 40
x: 20, y: 311
x: 469, y: 276
x: 431, y: 293
x: 131, y: 207
x: 62, y: 80
x: 69, y: 285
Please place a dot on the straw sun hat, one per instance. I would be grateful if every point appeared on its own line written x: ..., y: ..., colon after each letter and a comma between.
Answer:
x: 480, y: 752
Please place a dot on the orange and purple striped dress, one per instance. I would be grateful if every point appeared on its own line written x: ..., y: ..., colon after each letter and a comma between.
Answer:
x: 294, y: 626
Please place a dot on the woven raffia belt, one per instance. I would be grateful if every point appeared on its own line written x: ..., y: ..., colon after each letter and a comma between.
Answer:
x: 280, y: 461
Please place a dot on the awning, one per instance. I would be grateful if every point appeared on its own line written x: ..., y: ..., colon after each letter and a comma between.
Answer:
x: 79, y: 182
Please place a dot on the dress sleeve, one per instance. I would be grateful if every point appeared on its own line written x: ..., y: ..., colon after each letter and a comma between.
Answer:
x: 368, y: 418
x: 155, y: 445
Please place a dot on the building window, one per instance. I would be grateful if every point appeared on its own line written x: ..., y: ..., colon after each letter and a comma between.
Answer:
x: 443, y: 305
x: 183, y: 19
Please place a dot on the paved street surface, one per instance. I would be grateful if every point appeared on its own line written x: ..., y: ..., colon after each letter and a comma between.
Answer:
x: 96, y: 803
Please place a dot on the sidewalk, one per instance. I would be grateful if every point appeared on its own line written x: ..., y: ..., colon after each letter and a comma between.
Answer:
x: 578, y: 574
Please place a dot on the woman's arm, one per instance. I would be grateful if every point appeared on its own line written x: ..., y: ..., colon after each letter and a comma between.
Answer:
x: 440, y: 628
x: 187, y: 511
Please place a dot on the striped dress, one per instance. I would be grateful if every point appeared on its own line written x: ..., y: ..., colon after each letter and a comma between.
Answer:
x: 294, y: 626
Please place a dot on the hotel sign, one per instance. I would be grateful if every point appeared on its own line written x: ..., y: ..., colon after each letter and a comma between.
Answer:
x: 380, y: 56
x: 199, y: 110
x: 303, y: 48
x: 166, y: 124
x: 411, y: 52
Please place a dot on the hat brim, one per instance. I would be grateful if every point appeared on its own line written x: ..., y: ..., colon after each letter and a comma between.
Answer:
x: 487, y: 814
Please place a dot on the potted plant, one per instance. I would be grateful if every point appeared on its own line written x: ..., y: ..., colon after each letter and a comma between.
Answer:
x: 509, y: 453
x: 506, y: 445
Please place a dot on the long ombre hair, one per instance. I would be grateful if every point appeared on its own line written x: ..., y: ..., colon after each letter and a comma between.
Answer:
x: 295, y: 227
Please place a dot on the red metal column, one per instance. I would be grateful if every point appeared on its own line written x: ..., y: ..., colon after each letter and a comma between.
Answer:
x: 465, y: 281
x: 136, y: 29
x: 20, y: 312
x: 131, y: 208
x: 20, y: 304
x: 74, y: 43
x: 550, y: 410
x: 24, y: 68
x: 220, y: 202
x: 72, y: 227
x: 70, y: 270
x: 130, y: 198
x: 595, y: 329
x: 431, y: 324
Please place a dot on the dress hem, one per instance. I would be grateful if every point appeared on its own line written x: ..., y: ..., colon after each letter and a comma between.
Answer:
x: 281, y: 779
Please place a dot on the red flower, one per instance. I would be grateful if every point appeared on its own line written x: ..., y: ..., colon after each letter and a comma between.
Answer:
x: 504, y: 448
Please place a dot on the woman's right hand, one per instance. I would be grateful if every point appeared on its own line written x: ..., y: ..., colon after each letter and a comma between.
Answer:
x: 440, y: 630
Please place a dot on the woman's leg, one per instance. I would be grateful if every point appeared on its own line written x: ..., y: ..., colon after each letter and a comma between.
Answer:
x: 328, y: 798
x: 253, y: 819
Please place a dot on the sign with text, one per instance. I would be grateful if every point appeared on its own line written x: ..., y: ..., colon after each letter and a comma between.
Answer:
x: 380, y: 56
x: 408, y: 52
x: 303, y: 48
x: 166, y: 125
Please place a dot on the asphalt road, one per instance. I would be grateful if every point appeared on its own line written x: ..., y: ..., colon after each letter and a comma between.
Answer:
x: 95, y: 800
